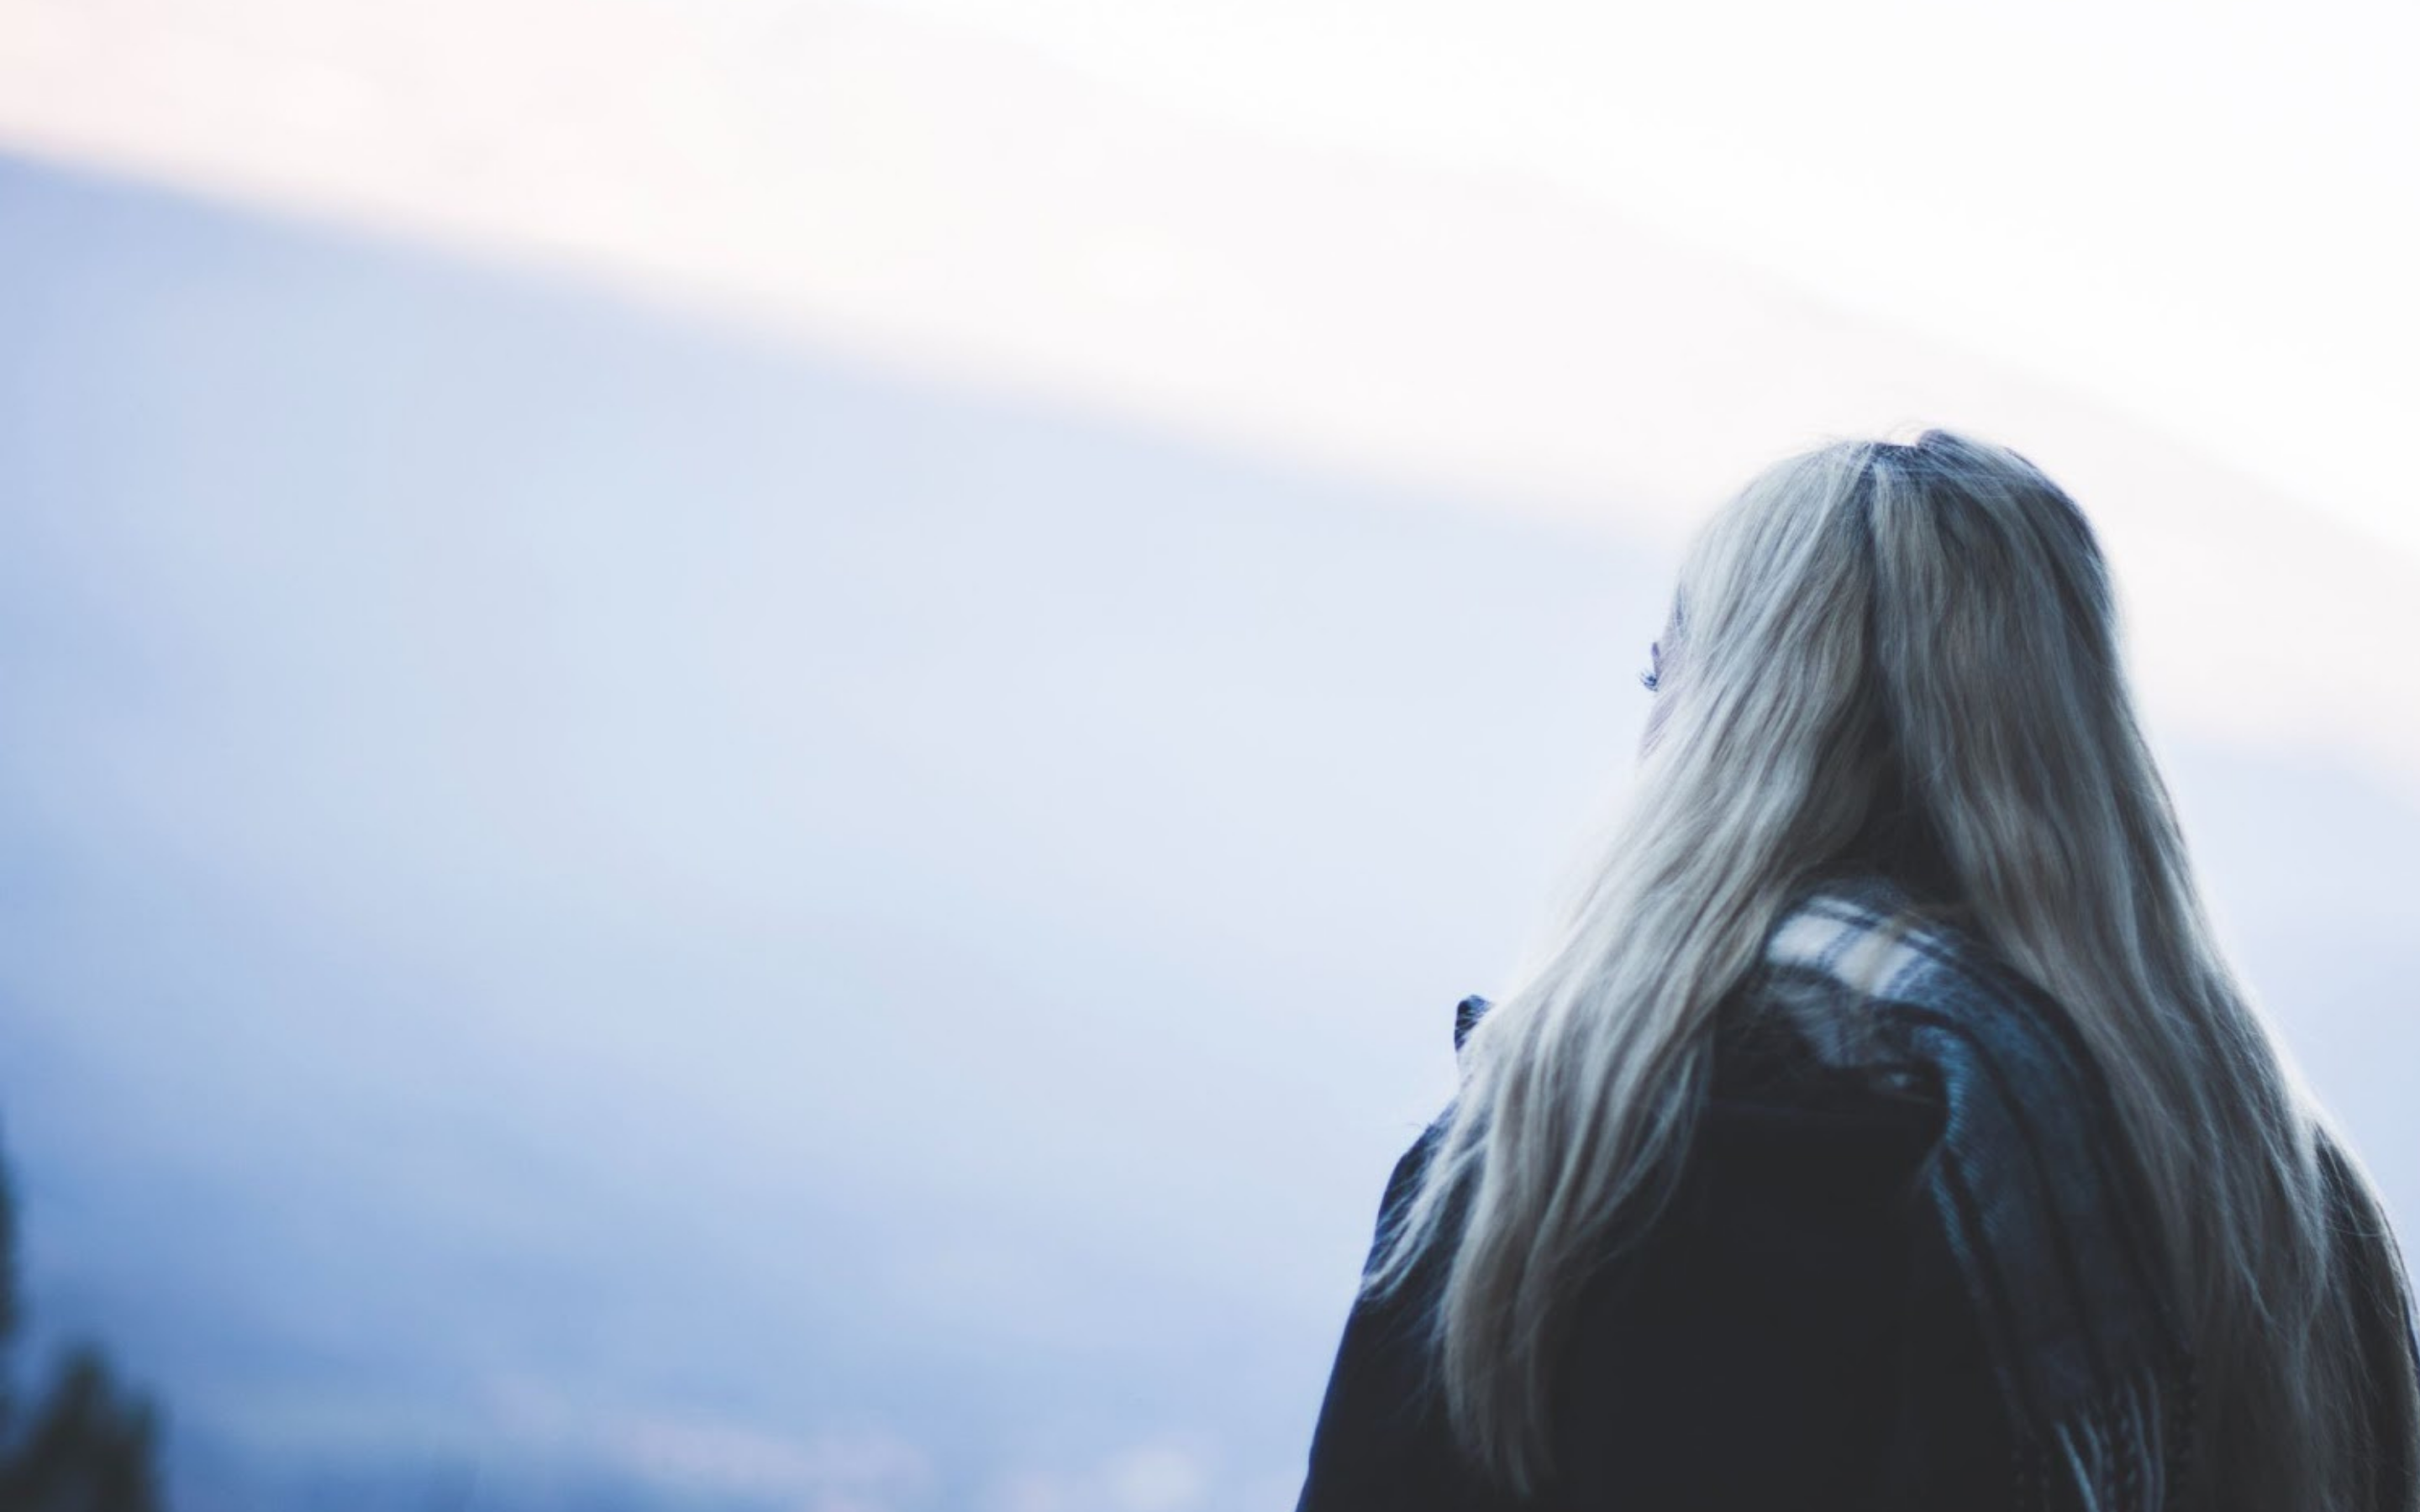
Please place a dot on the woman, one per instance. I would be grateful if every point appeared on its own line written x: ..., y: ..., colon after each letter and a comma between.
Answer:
x: 1879, y: 1125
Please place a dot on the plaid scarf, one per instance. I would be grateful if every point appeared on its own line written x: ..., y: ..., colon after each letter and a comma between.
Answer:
x: 2044, y: 1212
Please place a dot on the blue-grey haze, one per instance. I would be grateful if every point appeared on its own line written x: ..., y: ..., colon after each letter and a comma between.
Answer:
x: 601, y: 912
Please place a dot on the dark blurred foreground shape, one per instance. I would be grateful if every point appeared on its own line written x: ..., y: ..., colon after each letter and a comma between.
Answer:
x: 83, y: 1442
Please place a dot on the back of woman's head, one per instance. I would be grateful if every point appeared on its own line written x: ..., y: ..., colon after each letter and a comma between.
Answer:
x: 1902, y: 656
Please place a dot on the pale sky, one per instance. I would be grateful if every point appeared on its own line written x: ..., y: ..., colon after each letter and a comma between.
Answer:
x: 2204, y: 214
x: 1544, y: 257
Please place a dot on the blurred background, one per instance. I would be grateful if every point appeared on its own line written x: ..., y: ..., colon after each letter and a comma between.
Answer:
x: 748, y: 748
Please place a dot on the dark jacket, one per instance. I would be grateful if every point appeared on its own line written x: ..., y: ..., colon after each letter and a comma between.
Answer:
x: 1791, y: 1332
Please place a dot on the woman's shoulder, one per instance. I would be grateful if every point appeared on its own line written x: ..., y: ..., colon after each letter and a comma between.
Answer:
x: 1797, y: 1293
x: 1793, y: 1294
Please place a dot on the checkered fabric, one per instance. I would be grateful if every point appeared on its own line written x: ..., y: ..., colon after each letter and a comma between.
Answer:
x: 2045, y: 1212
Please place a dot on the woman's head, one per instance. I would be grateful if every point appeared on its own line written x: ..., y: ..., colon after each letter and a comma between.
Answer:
x: 1915, y: 642
x: 1906, y: 657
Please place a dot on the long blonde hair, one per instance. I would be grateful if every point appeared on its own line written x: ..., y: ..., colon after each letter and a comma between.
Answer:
x: 1928, y: 630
